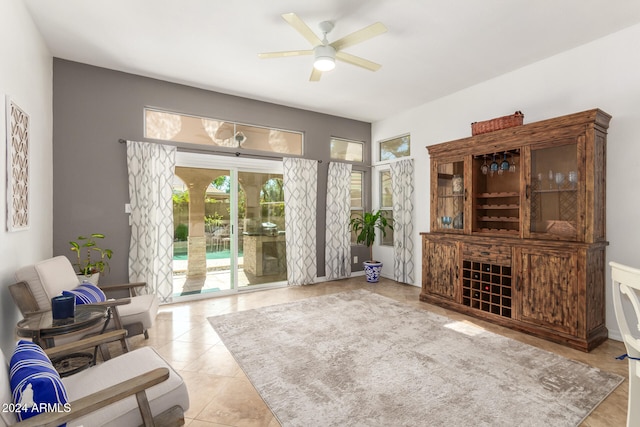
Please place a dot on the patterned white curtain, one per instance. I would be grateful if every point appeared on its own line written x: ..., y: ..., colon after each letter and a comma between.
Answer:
x: 338, y: 238
x: 151, y: 172
x: 300, y: 178
x: 402, y: 187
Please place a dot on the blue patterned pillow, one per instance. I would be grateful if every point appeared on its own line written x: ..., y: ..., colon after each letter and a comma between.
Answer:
x: 35, y: 385
x: 86, y: 293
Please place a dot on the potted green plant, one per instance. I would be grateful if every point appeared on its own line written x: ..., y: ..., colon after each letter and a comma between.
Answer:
x: 86, y: 265
x: 365, y: 228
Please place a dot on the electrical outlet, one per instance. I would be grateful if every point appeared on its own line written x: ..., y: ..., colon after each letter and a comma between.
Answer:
x: 355, y: 259
x: 127, y: 208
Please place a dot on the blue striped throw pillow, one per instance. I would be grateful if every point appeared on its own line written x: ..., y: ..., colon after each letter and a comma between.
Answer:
x: 86, y: 293
x: 35, y: 385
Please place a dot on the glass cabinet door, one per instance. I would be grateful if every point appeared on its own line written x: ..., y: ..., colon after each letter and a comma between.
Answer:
x: 555, y: 184
x: 450, y: 196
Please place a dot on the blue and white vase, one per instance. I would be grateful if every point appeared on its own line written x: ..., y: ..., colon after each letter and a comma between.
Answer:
x: 372, y: 270
x: 91, y: 278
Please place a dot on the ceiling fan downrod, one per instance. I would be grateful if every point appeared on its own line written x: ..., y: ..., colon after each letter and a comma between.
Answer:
x: 325, y: 54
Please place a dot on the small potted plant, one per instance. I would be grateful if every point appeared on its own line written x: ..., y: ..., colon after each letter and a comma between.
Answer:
x: 86, y: 266
x: 365, y: 228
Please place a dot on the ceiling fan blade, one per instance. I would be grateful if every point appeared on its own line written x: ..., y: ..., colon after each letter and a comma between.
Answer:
x: 359, y: 36
x: 356, y: 60
x: 284, y: 54
x: 302, y: 28
x: 315, y: 75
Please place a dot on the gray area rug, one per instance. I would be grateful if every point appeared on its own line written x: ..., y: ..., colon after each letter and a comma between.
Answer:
x: 360, y: 359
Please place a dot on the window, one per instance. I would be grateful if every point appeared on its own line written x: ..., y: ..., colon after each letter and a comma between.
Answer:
x: 395, y: 148
x: 357, y: 202
x: 351, y: 151
x: 217, y: 133
x: 386, y: 205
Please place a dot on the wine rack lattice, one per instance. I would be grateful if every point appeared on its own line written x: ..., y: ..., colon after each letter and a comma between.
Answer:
x: 487, y: 287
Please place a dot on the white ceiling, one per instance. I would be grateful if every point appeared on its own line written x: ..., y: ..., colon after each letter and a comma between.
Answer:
x: 432, y: 47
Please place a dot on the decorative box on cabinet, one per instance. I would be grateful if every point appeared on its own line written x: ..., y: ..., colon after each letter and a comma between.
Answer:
x: 518, y: 228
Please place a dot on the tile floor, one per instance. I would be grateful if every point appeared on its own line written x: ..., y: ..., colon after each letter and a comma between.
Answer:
x: 221, y: 395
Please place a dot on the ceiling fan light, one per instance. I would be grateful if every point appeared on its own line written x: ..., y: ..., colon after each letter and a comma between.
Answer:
x: 324, y: 63
x: 324, y: 58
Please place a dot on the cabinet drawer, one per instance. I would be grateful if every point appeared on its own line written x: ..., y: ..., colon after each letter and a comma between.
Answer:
x: 493, y: 254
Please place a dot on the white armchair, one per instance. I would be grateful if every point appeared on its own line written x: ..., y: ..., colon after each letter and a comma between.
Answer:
x: 626, y: 304
x: 136, y: 388
x: 47, y: 279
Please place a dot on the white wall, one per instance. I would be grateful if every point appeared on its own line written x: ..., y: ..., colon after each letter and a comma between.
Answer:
x: 603, y: 74
x: 26, y: 72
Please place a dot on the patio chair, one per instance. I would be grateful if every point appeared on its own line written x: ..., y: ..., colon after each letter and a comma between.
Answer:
x: 626, y: 304
x: 219, y: 239
x: 49, y: 278
x: 136, y: 388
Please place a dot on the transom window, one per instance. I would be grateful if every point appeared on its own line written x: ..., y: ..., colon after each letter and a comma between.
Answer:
x: 395, y: 148
x: 344, y: 149
x: 169, y: 126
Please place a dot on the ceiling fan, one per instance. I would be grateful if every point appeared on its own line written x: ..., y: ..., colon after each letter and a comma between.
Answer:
x: 326, y: 53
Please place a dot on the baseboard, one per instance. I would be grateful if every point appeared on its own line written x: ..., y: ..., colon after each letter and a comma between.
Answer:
x: 615, y: 335
x: 321, y: 279
x: 387, y: 276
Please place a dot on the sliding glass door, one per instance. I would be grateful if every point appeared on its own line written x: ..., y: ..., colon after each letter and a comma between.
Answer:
x: 228, y: 225
x: 261, y: 229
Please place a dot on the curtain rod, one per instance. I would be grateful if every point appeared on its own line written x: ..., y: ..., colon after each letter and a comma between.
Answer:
x: 224, y: 153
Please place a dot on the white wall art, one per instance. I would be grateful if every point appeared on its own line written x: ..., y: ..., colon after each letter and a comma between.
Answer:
x: 17, y: 167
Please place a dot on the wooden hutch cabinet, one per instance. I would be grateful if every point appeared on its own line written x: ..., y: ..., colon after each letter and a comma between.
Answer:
x: 518, y: 228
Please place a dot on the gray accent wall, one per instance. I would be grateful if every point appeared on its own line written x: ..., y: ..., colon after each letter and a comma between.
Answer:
x: 95, y: 107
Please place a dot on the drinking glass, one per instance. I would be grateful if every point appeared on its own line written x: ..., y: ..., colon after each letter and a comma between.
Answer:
x: 504, y: 165
x: 446, y: 221
x: 485, y: 167
x: 493, y: 168
x: 573, y: 178
x: 559, y: 179
x: 551, y: 177
x: 512, y: 166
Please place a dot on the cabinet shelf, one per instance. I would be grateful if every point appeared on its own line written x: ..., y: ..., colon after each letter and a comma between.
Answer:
x: 498, y: 206
x: 445, y: 176
x: 497, y: 195
x: 499, y: 230
x: 499, y: 219
x: 556, y: 190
